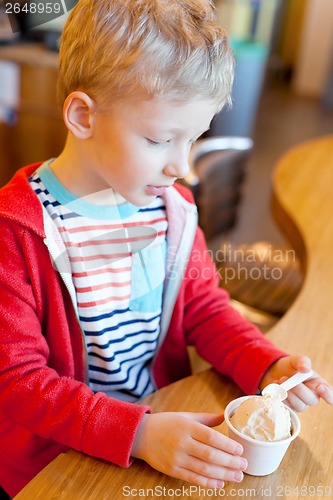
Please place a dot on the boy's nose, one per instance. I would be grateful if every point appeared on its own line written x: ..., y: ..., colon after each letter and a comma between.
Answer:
x: 179, y: 169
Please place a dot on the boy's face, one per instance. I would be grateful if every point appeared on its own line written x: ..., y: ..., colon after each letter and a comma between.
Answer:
x: 140, y: 147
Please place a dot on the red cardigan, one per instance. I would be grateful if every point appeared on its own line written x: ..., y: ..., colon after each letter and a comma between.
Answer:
x: 45, y: 405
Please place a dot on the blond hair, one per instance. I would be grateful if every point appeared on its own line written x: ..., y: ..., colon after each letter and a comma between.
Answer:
x: 172, y: 49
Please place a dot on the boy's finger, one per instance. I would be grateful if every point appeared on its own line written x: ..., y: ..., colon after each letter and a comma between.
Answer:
x: 305, y: 394
x: 219, y: 458
x: 300, y: 363
x: 295, y: 402
x: 216, y: 440
x: 209, y: 419
x: 214, y: 471
x: 326, y: 392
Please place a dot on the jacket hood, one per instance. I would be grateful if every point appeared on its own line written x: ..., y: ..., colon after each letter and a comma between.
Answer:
x: 19, y: 203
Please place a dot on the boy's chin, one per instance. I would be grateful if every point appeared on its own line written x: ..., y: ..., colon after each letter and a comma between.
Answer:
x: 142, y: 199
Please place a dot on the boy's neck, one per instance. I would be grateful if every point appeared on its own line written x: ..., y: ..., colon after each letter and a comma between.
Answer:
x: 70, y: 169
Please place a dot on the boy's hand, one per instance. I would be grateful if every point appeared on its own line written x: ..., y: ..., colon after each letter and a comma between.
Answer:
x: 306, y: 394
x: 184, y: 446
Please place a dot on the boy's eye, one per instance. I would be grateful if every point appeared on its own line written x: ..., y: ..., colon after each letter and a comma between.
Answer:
x: 156, y: 143
x: 161, y: 143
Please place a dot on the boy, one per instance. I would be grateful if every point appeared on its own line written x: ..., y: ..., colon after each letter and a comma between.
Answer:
x: 104, y: 275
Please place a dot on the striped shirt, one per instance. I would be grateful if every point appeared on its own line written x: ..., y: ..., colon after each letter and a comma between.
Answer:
x: 117, y: 257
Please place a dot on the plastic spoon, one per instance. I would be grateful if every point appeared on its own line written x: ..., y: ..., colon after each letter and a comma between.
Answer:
x: 281, y: 390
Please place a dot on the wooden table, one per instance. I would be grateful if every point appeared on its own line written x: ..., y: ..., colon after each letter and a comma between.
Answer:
x: 303, y: 204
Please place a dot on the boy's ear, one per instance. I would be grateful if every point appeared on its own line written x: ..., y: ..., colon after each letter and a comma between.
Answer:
x: 78, y: 113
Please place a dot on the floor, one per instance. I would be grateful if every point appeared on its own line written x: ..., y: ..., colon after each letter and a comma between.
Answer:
x: 284, y: 119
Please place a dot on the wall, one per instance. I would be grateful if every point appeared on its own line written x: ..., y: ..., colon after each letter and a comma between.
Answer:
x: 314, y: 56
x: 291, y: 31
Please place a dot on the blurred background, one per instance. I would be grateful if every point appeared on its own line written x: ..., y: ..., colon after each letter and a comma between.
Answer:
x: 283, y: 92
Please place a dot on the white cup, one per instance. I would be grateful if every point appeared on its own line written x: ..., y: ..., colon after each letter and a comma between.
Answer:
x: 263, y: 457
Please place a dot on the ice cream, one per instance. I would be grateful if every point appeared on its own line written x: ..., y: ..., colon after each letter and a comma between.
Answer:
x: 262, y: 418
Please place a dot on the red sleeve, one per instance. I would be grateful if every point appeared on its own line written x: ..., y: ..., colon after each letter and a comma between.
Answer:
x: 233, y: 346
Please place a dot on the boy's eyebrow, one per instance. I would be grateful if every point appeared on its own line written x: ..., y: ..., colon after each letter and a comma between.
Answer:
x: 177, y: 130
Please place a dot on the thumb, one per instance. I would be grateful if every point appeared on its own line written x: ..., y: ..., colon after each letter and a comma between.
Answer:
x: 300, y: 363
x: 209, y: 419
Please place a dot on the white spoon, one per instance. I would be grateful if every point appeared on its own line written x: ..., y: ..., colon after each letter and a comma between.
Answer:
x: 280, y: 391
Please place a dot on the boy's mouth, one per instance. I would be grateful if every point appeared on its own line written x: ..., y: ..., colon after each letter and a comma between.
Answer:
x: 156, y: 190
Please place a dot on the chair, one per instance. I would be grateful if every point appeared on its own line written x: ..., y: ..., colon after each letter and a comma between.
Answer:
x: 216, y: 180
x: 262, y: 279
